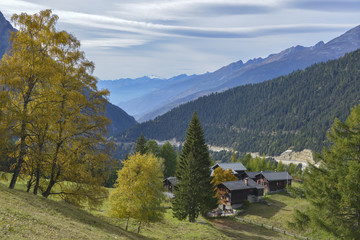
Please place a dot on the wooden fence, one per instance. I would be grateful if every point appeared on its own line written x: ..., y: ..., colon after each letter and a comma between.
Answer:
x: 272, y: 228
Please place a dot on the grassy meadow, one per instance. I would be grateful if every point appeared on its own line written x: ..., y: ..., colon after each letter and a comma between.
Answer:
x: 26, y: 216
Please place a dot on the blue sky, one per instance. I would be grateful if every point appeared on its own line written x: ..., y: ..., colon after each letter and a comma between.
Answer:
x: 133, y: 38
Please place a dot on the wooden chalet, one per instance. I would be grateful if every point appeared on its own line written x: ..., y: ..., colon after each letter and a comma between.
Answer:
x: 237, y: 168
x: 234, y: 193
x: 273, y: 181
x: 170, y: 183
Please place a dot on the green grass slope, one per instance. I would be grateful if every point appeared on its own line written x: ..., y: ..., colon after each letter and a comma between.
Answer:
x: 26, y: 216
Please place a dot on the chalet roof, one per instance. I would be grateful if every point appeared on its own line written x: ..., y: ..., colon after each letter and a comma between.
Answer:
x: 254, y: 174
x: 276, y: 176
x: 240, y: 185
x: 233, y: 166
x: 172, y: 180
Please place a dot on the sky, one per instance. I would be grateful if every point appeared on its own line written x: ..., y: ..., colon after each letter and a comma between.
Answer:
x: 166, y: 38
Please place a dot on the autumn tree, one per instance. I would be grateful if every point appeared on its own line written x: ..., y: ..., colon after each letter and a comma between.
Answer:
x: 25, y: 73
x: 219, y: 176
x: 333, y: 187
x: 195, y: 193
x: 138, y: 191
x: 54, y: 111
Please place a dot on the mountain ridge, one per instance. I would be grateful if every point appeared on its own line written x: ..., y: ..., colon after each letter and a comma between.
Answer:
x: 294, y: 110
x: 155, y: 103
x: 5, y: 29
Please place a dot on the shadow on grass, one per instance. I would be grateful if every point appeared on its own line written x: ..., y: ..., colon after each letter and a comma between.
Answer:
x: 263, y: 210
x: 237, y: 230
x: 71, y: 212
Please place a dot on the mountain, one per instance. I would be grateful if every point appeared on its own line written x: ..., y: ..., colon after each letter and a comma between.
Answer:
x: 126, y: 89
x: 174, y: 93
x: 5, y: 29
x: 295, y: 110
x: 120, y: 120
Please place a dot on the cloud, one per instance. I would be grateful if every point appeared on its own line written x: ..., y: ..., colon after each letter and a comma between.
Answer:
x: 146, y: 28
x: 179, y: 9
x: 112, y: 42
x: 324, y: 6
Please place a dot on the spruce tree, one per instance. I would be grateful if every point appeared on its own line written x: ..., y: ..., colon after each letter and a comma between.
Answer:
x: 333, y: 188
x: 167, y: 152
x: 195, y: 193
x: 141, y: 145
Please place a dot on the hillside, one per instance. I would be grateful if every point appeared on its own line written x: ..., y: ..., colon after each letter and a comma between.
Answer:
x: 5, y: 28
x: 120, y: 120
x: 26, y: 216
x: 171, y: 93
x: 294, y: 110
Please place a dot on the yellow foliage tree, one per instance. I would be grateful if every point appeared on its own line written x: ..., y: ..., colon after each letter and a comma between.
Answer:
x: 139, y: 190
x: 50, y: 104
x: 219, y: 176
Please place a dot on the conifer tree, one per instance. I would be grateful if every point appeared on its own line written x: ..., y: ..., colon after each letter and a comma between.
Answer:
x: 151, y: 146
x: 141, y: 145
x: 195, y: 193
x: 280, y: 167
x: 233, y: 157
x: 167, y: 152
x: 333, y: 188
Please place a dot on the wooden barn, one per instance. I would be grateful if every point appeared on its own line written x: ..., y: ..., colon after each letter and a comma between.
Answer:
x: 237, y: 168
x: 234, y: 193
x: 273, y: 181
x: 170, y: 183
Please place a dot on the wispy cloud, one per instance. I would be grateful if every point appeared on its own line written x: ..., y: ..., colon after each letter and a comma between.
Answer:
x: 326, y: 5
x: 203, y: 34
x: 112, y: 43
x: 178, y: 9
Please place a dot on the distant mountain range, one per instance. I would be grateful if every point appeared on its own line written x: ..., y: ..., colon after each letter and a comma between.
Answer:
x: 120, y: 120
x: 295, y: 110
x: 5, y: 29
x: 147, y: 100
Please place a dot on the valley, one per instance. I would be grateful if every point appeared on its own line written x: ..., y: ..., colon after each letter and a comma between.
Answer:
x: 266, y: 148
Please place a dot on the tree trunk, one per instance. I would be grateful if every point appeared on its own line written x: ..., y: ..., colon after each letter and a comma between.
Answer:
x: 29, y: 183
x: 37, y: 179
x: 139, y: 227
x: 22, y: 135
x: 52, y: 182
x: 127, y: 223
x: 21, y: 157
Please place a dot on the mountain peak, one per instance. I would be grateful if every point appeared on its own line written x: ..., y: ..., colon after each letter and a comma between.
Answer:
x: 5, y: 29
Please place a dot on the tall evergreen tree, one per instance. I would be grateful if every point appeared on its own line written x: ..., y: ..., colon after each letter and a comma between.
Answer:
x: 195, y: 193
x: 151, y: 146
x: 167, y: 152
x: 141, y: 145
x: 233, y: 157
x: 333, y: 188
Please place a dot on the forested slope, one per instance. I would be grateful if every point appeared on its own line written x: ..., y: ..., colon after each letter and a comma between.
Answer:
x: 293, y: 110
